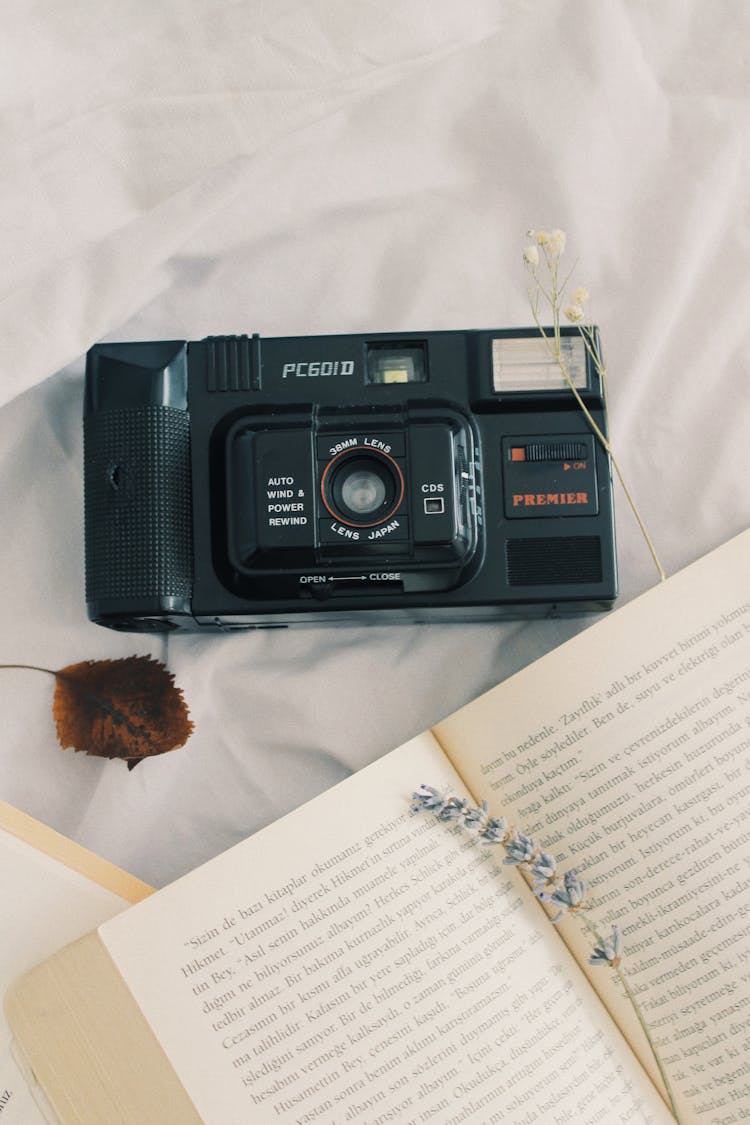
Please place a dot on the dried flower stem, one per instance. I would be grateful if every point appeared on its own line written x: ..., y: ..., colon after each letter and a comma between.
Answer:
x: 622, y: 978
x: 566, y: 892
x: 29, y: 668
x: 551, y: 249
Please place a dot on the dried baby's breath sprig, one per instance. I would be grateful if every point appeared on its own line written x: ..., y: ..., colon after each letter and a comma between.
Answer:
x: 541, y: 257
x: 564, y: 892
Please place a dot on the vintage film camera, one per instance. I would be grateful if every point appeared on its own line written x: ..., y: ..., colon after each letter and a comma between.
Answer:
x: 240, y: 482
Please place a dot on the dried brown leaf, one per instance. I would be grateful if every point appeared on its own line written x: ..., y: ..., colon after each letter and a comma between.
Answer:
x: 128, y: 708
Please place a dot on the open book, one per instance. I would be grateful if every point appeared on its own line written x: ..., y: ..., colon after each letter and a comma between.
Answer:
x: 52, y: 891
x: 355, y: 963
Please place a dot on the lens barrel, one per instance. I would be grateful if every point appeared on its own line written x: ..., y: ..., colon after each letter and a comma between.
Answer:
x: 362, y: 487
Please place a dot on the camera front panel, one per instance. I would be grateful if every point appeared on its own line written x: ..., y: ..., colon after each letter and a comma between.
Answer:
x: 333, y: 502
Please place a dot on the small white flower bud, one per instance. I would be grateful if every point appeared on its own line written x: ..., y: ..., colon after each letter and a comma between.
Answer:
x: 557, y: 242
x: 580, y: 295
x: 531, y: 256
x: 543, y: 237
x: 574, y: 313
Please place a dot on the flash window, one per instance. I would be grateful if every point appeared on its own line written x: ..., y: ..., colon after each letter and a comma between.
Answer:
x: 524, y: 363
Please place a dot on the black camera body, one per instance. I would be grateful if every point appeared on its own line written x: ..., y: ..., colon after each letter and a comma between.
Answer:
x: 239, y: 482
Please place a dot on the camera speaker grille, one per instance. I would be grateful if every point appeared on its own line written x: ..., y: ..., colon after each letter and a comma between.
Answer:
x: 138, y: 504
x: 554, y: 560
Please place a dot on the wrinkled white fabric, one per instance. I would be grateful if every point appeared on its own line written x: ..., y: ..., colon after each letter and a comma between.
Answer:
x: 201, y: 167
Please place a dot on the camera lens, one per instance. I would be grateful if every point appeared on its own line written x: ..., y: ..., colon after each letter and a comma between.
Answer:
x: 362, y: 487
x: 362, y: 491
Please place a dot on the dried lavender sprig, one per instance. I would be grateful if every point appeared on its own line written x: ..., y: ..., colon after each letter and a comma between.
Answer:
x: 567, y: 893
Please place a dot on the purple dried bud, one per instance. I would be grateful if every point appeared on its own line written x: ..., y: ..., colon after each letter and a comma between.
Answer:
x: 520, y: 849
x: 609, y: 952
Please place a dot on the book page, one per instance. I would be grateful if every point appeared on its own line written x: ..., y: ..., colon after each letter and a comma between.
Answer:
x: 355, y: 963
x: 45, y: 904
x: 626, y: 753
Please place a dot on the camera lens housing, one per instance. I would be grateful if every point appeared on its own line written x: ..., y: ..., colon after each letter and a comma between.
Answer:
x: 362, y: 487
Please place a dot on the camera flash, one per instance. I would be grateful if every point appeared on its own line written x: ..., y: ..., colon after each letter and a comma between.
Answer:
x: 525, y: 364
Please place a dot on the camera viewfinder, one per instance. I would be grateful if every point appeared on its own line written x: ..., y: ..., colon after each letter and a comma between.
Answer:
x: 395, y: 363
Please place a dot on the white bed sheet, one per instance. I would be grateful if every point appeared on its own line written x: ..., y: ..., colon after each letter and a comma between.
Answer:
x: 309, y: 166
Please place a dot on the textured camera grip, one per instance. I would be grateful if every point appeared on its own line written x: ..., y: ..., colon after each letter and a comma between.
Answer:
x: 138, y: 504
